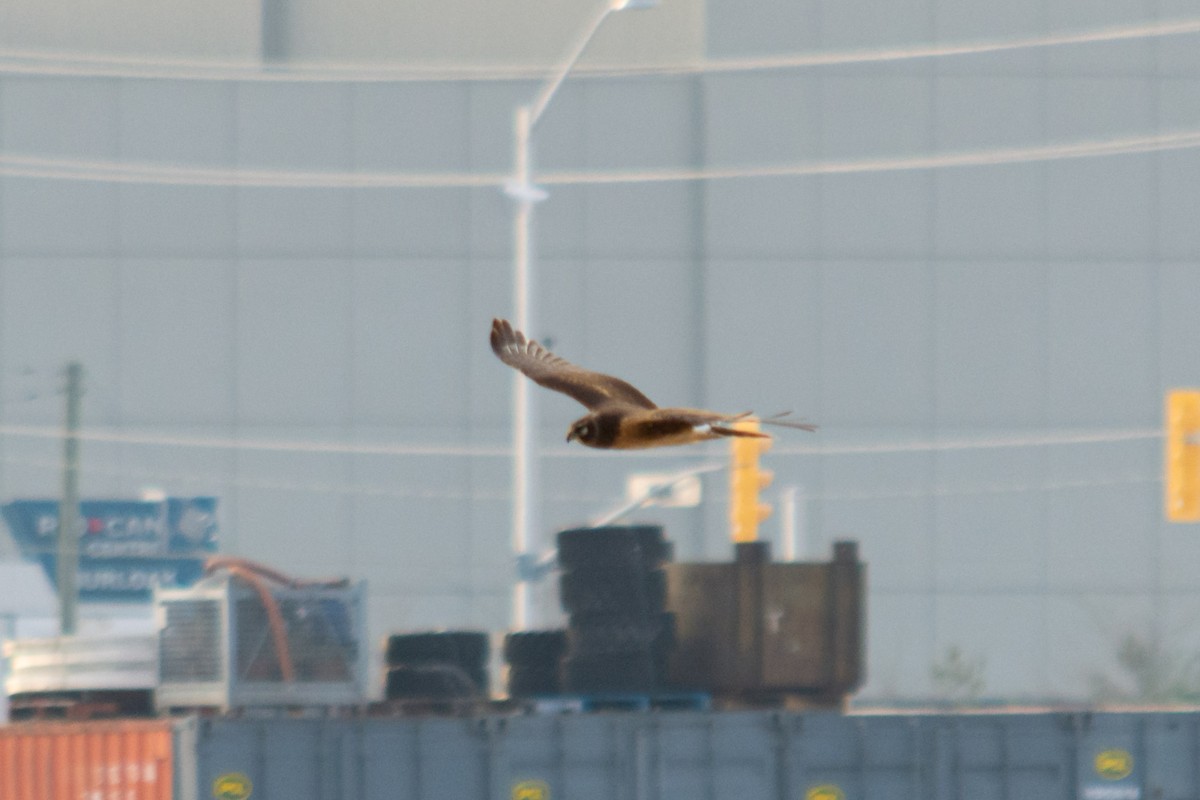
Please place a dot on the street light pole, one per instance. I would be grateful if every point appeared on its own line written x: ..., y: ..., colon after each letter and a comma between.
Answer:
x: 526, y: 195
x: 67, y: 567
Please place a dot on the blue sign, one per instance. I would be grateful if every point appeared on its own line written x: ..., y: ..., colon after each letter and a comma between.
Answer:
x: 126, y: 547
x: 120, y: 579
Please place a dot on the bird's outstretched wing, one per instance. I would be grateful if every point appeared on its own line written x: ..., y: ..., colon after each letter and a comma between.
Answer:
x: 593, y: 389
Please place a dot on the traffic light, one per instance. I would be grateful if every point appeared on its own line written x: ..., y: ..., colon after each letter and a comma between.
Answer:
x: 746, y: 480
x: 1182, y: 480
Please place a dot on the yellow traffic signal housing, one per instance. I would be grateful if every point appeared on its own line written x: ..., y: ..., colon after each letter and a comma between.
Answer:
x: 746, y: 480
x: 1182, y: 479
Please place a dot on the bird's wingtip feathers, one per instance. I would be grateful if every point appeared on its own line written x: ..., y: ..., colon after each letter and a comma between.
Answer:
x: 503, y: 335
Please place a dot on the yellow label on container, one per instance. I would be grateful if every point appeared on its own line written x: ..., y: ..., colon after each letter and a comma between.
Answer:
x: 232, y: 786
x: 826, y: 791
x: 1114, y: 764
x: 531, y: 790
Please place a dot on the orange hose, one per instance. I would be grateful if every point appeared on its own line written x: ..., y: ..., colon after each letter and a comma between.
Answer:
x: 252, y: 573
x: 218, y: 562
x: 274, y: 618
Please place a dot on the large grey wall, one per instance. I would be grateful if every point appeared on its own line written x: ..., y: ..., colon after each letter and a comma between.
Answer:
x: 451, y: 34
x: 985, y: 348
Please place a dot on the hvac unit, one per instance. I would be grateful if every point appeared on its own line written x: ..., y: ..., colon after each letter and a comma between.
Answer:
x: 235, y: 641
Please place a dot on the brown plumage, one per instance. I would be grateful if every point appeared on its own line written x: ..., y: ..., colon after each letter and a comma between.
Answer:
x: 620, y: 417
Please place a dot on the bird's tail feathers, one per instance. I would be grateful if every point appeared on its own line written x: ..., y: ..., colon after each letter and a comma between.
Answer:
x: 777, y: 419
x: 735, y: 432
x: 774, y: 419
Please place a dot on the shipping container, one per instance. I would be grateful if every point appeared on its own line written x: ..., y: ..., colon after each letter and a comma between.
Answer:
x: 759, y: 755
x: 129, y: 760
x: 750, y: 755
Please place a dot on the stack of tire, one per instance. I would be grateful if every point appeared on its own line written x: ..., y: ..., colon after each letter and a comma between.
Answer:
x: 613, y: 587
x: 534, y: 662
x: 442, y: 665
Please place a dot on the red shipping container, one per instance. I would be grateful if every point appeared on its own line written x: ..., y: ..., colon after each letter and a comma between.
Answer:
x: 111, y: 760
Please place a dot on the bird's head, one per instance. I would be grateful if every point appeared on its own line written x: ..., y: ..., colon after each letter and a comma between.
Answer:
x: 584, y: 430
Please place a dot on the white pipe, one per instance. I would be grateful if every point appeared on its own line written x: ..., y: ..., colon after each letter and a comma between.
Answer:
x: 522, y: 410
x: 791, y: 505
x: 522, y: 190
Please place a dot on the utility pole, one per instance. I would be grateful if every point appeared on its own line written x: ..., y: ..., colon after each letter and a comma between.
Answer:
x: 68, y: 510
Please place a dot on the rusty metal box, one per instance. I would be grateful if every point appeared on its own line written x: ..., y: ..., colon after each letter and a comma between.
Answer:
x: 757, y: 628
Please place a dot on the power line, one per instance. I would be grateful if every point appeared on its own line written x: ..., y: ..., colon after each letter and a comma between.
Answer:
x: 1103, y: 35
x: 94, y: 467
x: 145, y: 173
x: 98, y: 467
x: 258, y: 445
x: 107, y: 171
x: 1095, y: 148
x: 72, y: 64
x: 993, y: 442
x: 932, y: 444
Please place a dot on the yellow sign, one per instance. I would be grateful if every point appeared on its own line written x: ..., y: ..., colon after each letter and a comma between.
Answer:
x: 746, y: 480
x: 1182, y: 448
x: 232, y: 786
x: 826, y: 791
x: 531, y: 790
x: 1113, y: 765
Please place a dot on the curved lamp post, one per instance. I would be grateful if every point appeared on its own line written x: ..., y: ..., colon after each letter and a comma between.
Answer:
x: 525, y: 195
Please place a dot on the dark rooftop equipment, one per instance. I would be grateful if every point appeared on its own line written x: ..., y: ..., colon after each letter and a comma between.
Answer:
x: 763, y: 631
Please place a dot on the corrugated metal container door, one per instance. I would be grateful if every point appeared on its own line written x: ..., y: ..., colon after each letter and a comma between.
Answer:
x: 1000, y: 756
x: 301, y: 759
x: 130, y: 760
x: 751, y: 755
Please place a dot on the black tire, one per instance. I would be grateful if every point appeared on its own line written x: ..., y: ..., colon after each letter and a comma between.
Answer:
x: 634, y: 672
x: 662, y: 669
x: 466, y: 649
x: 632, y: 545
x: 628, y: 580
x: 599, y: 634
x: 588, y: 549
x: 429, y: 683
x: 589, y: 593
x: 535, y: 648
x: 584, y: 599
x: 655, y: 549
x: 528, y: 681
x: 656, y: 589
x: 481, y: 679
x: 668, y: 552
x: 609, y: 641
x: 665, y: 638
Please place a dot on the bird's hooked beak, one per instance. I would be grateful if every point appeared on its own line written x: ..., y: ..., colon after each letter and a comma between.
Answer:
x: 571, y: 435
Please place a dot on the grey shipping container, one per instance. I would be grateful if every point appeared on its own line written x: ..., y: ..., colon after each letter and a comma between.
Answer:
x: 687, y: 755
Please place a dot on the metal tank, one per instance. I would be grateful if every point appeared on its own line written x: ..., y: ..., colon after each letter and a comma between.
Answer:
x: 756, y: 630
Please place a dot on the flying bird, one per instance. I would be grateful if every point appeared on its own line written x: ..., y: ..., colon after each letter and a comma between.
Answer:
x: 620, y: 417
